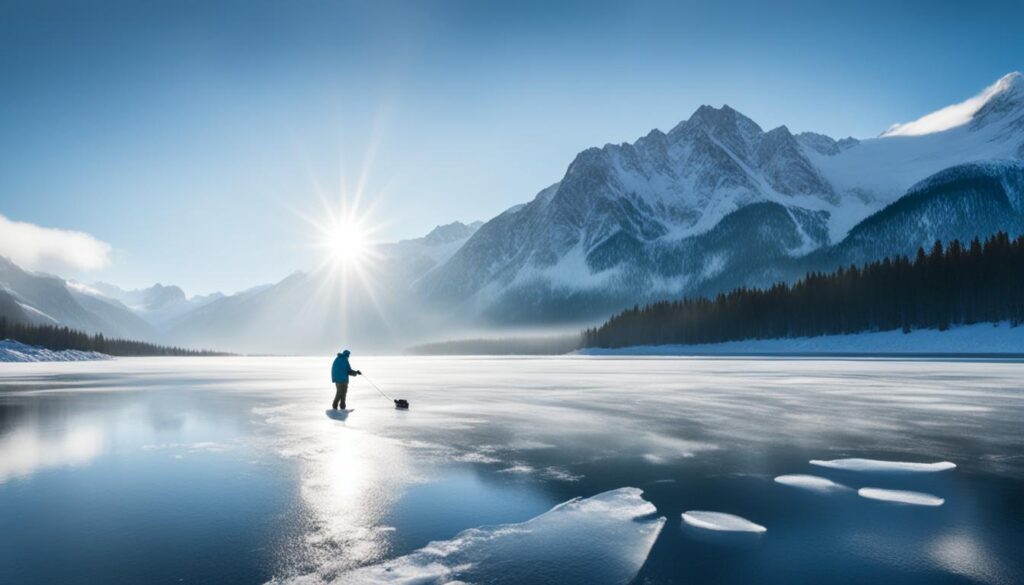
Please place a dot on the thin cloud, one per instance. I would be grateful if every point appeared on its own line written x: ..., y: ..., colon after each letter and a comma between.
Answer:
x: 39, y: 248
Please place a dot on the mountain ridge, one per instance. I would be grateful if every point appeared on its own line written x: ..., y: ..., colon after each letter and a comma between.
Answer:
x: 620, y: 204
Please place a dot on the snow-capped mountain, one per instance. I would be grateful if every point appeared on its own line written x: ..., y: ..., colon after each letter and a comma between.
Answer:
x: 415, y: 257
x: 159, y: 305
x: 715, y: 203
x: 964, y: 202
x: 716, y: 199
x: 50, y: 300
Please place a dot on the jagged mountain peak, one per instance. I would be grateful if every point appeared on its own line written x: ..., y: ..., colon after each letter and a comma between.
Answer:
x: 451, y: 232
x: 1007, y: 100
x: 1013, y: 81
x: 725, y: 124
x: 779, y: 131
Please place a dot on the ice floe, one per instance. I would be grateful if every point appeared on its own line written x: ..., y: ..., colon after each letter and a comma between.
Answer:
x: 721, y: 522
x: 811, y: 482
x: 901, y: 497
x: 880, y: 465
x: 602, y: 539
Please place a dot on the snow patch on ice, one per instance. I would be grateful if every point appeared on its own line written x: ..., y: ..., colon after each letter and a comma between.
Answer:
x: 602, y: 539
x: 37, y: 313
x: 721, y: 522
x: 900, y: 497
x: 876, y: 465
x: 811, y: 482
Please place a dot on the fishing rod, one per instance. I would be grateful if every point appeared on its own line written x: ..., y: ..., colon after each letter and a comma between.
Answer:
x: 399, y: 403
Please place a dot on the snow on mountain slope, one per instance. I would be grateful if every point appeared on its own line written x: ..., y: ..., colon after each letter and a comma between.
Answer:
x: 15, y: 351
x: 963, y: 202
x: 625, y: 219
x: 158, y: 305
x: 12, y: 310
x: 880, y: 170
x: 50, y: 300
x: 417, y: 256
x: 956, y: 114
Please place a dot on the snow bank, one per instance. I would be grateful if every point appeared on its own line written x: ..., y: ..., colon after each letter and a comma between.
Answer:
x: 596, y: 540
x: 15, y: 351
x: 721, y: 522
x: 971, y: 339
x: 811, y: 482
x: 901, y: 497
x: 871, y: 465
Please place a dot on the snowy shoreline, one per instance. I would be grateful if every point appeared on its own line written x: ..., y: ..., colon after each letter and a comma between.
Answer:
x: 15, y: 351
x: 984, y: 339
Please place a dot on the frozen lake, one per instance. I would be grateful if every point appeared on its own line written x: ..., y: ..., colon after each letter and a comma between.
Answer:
x: 517, y: 470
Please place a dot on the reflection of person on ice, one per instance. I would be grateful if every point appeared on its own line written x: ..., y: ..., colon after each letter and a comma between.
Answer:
x: 340, y: 372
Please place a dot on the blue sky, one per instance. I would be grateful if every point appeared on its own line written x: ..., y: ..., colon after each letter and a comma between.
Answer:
x: 193, y: 136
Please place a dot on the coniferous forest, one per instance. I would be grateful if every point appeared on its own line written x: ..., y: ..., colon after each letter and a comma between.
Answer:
x: 941, y: 288
x: 61, y: 338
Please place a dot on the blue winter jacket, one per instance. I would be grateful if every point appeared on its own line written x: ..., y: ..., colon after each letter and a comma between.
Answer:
x: 341, y: 370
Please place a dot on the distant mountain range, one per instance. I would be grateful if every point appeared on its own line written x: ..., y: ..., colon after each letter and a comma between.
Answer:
x: 45, y: 299
x: 714, y: 203
x: 310, y: 311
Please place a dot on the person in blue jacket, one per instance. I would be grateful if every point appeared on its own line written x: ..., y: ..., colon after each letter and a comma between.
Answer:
x: 340, y: 371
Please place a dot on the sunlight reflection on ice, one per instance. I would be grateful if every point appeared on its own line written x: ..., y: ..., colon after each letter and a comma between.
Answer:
x: 349, y: 480
x: 964, y: 555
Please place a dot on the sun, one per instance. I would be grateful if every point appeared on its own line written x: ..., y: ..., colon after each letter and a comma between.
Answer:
x: 346, y: 242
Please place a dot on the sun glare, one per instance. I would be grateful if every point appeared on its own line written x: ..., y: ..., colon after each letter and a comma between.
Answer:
x: 347, y: 242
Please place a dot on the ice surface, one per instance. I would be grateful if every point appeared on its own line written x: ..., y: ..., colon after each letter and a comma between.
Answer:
x: 708, y: 421
x: 602, y: 539
x: 874, y: 465
x: 720, y: 521
x: 900, y: 497
x: 811, y: 482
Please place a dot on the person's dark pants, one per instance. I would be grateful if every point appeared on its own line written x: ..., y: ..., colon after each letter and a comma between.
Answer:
x: 339, y: 396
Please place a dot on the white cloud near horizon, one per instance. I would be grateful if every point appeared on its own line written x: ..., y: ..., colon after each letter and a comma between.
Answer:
x: 951, y: 116
x: 35, y: 247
